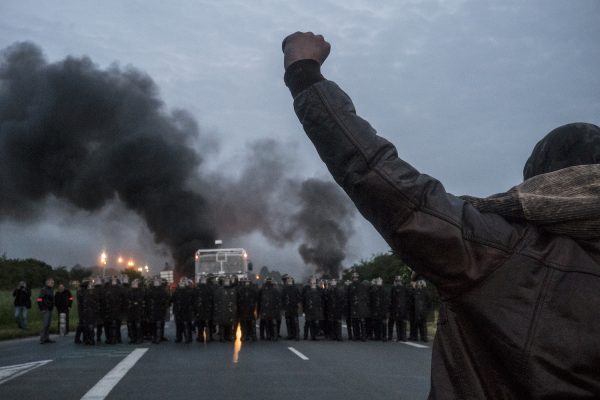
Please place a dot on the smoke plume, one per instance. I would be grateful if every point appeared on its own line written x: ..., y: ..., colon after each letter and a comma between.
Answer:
x: 88, y: 137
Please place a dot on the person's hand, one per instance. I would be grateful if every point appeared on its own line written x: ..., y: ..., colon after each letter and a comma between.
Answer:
x: 304, y: 46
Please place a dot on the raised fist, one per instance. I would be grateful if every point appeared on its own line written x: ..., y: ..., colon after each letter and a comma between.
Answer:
x: 303, y: 46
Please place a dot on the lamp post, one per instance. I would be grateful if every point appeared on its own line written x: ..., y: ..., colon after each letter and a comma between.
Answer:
x: 103, y: 261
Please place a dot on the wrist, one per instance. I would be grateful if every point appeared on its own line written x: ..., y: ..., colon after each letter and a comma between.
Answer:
x: 302, y: 74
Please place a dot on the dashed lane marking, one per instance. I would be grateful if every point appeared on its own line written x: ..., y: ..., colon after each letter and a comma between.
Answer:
x: 420, y: 346
x: 12, y: 371
x: 110, y: 380
x: 296, y: 352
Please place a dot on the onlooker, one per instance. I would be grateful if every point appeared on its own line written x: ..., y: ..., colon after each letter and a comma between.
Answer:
x: 22, y: 295
x: 45, y: 302
x: 63, y: 299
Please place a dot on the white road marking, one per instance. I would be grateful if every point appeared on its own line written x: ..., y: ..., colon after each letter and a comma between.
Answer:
x: 296, y: 352
x: 420, y: 346
x: 12, y: 371
x: 110, y: 380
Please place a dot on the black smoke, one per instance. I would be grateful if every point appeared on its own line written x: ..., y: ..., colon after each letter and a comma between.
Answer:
x: 325, y: 222
x: 89, y: 136
x: 284, y: 208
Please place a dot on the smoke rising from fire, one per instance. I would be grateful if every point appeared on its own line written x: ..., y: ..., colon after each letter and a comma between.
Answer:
x: 89, y: 136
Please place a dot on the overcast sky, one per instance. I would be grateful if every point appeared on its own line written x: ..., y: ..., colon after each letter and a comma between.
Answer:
x: 463, y: 88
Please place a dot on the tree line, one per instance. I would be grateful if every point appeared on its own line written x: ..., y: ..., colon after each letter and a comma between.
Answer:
x: 35, y: 272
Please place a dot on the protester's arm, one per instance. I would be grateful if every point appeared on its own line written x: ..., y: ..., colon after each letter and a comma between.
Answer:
x: 439, y: 235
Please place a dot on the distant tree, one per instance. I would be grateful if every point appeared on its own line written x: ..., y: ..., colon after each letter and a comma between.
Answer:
x: 32, y: 271
x: 387, y: 266
x: 61, y: 275
x: 79, y: 273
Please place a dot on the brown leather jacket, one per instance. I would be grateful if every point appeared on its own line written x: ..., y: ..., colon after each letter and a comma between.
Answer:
x: 521, y: 307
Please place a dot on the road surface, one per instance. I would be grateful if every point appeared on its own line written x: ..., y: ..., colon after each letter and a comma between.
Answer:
x: 257, y: 370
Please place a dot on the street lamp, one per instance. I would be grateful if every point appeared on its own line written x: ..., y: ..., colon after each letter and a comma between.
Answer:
x: 103, y: 261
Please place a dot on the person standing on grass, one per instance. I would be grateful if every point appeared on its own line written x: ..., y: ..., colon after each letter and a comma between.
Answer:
x: 22, y: 295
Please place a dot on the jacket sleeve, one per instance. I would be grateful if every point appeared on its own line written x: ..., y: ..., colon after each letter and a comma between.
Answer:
x: 436, y: 233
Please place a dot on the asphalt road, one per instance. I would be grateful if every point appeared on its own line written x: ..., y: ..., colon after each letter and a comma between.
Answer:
x: 259, y: 370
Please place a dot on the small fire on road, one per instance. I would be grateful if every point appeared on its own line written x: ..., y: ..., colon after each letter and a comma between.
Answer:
x: 238, y: 344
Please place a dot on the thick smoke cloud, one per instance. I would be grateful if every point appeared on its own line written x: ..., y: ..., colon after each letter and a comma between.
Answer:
x: 325, y: 222
x: 285, y: 209
x: 88, y: 137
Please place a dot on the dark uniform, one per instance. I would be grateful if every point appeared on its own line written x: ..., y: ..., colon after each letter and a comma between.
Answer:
x: 247, y: 302
x: 183, y: 310
x: 358, y: 308
x: 63, y: 300
x: 115, y: 302
x: 225, y: 315
x: 203, y: 310
x: 89, y: 311
x: 291, y: 298
x: 100, y: 290
x: 135, y: 314
x: 312, y: 305
x: 83, y: 288
x: 398, y: 310
x: 157, y: 304
x: 335, y: 299
x: 379, y: 306
x: 269, y: 308
x: 421, y: 308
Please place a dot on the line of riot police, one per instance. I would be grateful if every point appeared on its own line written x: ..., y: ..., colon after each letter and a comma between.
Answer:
x: 215, y: 305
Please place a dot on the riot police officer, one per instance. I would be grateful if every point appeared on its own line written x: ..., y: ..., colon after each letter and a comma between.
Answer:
x: 398, y: 310
x: 90, y: 308
x: 358, y: 299
x: 157, y: 300
x: 312, y: 305
x: 421, y: 304
x: 114, y: 300
x: 203, y: 309
x: 335, y: 298
x: 99, y: 290
x: 247, y: 302
x: 225, y: 298
x: 379, y: 306
x: 135, y: 312
x: 269, y: 308
x: 291, y: 299
x: 183, y: 307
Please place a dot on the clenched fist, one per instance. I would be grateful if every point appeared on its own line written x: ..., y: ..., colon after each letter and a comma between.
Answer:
x: 303, y: 46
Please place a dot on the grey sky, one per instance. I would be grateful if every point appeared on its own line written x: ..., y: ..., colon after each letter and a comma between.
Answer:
x: 463, y: 88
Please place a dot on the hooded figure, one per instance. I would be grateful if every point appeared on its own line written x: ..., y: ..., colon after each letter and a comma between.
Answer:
x: 518, y: 273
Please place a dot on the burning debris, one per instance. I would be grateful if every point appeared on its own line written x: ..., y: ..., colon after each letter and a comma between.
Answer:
x: 89, y: 136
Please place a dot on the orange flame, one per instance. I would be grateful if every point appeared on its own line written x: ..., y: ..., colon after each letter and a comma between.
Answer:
x: 238, y: 344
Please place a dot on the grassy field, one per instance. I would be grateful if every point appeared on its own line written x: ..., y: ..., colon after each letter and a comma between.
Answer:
x: 8, y: 325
